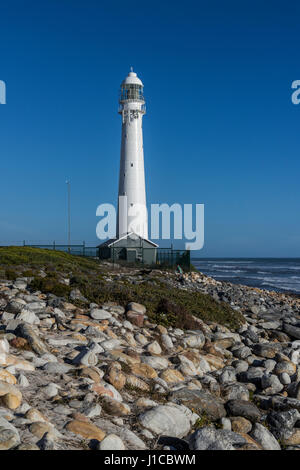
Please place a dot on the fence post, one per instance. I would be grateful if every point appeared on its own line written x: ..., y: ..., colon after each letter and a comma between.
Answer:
x: 54, y: 245
x: 83, y: 248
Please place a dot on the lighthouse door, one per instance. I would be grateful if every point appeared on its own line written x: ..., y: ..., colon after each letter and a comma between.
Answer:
x: 131, y: 256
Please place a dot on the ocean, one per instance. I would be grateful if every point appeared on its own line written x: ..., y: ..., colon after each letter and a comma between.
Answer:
x: 277, y: 274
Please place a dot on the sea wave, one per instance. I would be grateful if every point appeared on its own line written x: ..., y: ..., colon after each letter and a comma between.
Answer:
x: 264, y: 273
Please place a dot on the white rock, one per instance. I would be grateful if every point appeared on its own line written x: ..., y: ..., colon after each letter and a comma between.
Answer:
x: 154, y: 348
x: 116, y: 395
x: 23, y: 408
x: 59, y: 313
x: 271, y: 383
x: 118, y: 421
x: 226, y: 424
x: 8, y: 432
x: 178, y: 332
x: 167, y: 342
x: 209, y: 438
x: 167, y: 420
x: 113, y: 321
x: 92, y: 411
x: 145, y: 403
x: 295, y: 356
x: 194, y: 341
x: 88, y: 356
x: 135, y: 307
x: 128, y: 325
x: 147, y: 434
x: 204, y: 365
x: 141, y: 339
x: 36, y: 306
x: 192, y: 416
x: 99, y: 314
x: 263, y: 436
x: 132, y: 439
x: 51, y: 390
x: 4, y: 346
x: 7, y: 317
x: 22, y: 381
x: 28, y: 316
x: 111, y: 442
x: 187, y: 367
x: 158, y: 363
x: 110, y: 344
x: 21, y: 285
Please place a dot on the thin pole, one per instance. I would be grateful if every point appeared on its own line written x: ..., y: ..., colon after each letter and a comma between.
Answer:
x: 69, y: 215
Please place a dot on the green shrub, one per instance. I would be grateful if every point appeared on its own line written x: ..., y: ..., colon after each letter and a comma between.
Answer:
x: 170, y: 314
x: 48, y: 285
x: 28, y: 273
x: 10, y: 274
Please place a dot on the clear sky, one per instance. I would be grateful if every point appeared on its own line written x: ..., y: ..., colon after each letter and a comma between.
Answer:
x: 220, y: 127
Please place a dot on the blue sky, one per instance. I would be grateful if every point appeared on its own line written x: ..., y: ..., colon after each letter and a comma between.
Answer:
x: 220, y: 127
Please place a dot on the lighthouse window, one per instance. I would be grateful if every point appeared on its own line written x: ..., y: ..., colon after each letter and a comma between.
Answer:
x: 131, y: 92
x: 131, y: 164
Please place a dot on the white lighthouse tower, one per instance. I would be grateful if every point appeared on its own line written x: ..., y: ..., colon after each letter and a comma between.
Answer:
x: 132, y: 212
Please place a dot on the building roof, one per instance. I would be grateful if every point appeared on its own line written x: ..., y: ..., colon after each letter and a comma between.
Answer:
x: 112, y: 241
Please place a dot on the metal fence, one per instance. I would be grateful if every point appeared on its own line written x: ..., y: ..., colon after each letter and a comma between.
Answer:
x: 151, y: 257
x: 78, y: 250
x: 167, y: 257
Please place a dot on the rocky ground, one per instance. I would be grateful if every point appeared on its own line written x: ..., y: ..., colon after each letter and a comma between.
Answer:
x: 80, y: 375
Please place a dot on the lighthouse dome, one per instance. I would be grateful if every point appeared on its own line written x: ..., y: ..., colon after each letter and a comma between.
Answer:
x: 132, y: 79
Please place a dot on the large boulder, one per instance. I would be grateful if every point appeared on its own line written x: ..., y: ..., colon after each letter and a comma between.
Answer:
x: 166, y: 419
x: 201, y: 402
x: 24, y: 330
x: 243, y: 408
x: 235, y: 391
x: 291, y: 330
x: 283, y: 422
x: 209, y: 438
x: 267, y: 350
x: 194, y: 340
x: 156, y: 362
x: 263, y: 436
x: 9, y: 435
x: 111, y: 442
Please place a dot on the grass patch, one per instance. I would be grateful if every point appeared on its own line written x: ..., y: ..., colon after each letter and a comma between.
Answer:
x: 166, y: 305
x: 49, y: 285
x: 151, y: 394
x: 203, y: 421
x: 125, y: 367
x: 172, y: 314
x: 11, y: 274
x: 38, y: 257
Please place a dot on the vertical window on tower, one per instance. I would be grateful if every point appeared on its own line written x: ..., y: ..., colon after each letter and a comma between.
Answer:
x: 131, y: 164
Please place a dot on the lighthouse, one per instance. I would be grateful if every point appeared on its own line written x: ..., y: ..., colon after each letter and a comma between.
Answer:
x: 131, y: 243
x: 132, y: 211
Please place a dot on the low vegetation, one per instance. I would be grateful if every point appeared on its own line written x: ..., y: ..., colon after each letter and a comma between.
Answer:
x: 166, y: 304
